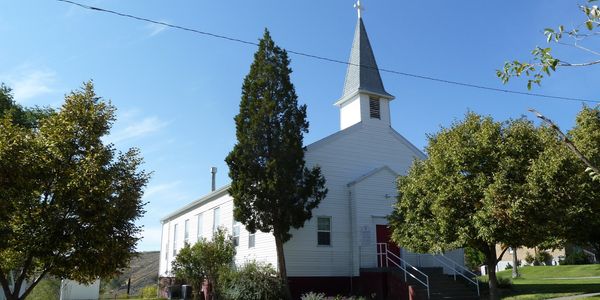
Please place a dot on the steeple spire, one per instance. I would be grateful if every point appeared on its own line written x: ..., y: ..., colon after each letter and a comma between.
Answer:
x: 362, y: 74
x: 364, y: 98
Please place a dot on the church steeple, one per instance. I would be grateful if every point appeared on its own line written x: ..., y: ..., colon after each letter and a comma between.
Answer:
x: 364, y: 98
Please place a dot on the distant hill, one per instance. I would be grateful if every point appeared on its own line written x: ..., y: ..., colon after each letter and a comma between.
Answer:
x: 143, y: 271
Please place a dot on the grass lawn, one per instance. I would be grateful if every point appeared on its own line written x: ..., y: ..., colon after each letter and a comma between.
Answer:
x: 544, y: 282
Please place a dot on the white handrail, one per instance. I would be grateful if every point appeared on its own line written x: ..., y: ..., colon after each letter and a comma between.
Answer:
x: 382, y: 251
x: 454, y: 266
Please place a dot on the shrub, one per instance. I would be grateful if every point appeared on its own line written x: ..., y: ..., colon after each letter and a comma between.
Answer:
x: 253, y: 280
x: 504, y: 283
x: 313, y: 296
x: 529, y: 259
x: 149, y: 291
x: 575, y: 258
x: 543, y: 258
x: 508, y: 266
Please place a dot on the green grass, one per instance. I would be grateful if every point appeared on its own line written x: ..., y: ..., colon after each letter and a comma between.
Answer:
x: 544, y: 282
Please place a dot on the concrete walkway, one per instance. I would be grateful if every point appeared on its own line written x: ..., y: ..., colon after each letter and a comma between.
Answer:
x: 576, y: 297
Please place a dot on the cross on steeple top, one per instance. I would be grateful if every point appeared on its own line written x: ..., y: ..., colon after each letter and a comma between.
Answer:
x: 358, y: 7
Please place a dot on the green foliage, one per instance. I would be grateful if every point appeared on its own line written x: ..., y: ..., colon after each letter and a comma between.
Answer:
x: 544, y: 62
x: 473, y: 190
x: 47, y: 289
x: 474, y: 258
x: 543, y: 258
x: 313, y: 296
x: 272, y: 189
x: 204, y: 260
x: 576, y: 258
x: 69, y: 202
x: 529, y: 259
x: 19, y: 115
x: 505, y: 282
x: 253, y: 280
x: 150, y: 291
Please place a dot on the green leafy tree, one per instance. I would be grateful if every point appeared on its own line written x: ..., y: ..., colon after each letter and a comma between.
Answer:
x: 204, y: 261
x: 544, y: 62
x: 272, y: 189
x: 26, y: 117
x: 559, y: 176
x: 472, y: 191
x: 68, y: 202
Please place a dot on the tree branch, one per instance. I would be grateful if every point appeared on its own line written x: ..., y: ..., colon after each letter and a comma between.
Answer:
x: 4, y: 283
x: 566, y: 140
x: 35, y: 282
x: 566, y: 64
x: 501, y: 254
x: 19, y: 281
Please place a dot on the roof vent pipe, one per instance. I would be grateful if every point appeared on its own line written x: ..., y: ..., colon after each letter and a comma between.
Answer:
x: 213, y: 172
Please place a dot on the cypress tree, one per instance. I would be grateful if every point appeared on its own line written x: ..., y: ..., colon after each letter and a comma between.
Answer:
x: 272, y: 189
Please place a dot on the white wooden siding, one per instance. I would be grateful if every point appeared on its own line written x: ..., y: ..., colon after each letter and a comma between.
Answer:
x: 354, y: 202
x: 264, y: 249
x: 343, y: 158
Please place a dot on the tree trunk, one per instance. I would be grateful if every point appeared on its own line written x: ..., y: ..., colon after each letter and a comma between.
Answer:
x: 491, y: 266
x: 515, y: 270
x: 281, y: 266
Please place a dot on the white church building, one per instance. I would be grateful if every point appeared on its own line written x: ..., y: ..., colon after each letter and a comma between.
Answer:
x: 348, y: 234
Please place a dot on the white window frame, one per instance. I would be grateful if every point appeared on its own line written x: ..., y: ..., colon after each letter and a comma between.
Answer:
x: 200, y: 226
x: 328, y: 231
x: 216, y: 218
x: 186, y: 231
x: 251, y: 240
x: 175, y: 239
x: 235, y: 233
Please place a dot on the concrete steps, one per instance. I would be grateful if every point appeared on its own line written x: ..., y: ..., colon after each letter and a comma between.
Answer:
x: 442, y: 286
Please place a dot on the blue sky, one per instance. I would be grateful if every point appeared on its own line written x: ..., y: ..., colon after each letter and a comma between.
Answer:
x: 177, y: 92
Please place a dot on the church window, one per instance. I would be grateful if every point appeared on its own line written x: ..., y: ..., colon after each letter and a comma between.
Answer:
x: 251, y: 240
x: 236, y: 233
x: 175, y: 240
x: 324, y: 231
x: 374, y: 108
x: 186, y: 231
x: 200, y: 227
x: 216, y: 218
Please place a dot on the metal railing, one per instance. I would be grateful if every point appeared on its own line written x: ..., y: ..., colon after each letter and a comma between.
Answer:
x: 458, y: 269
x: 385, y: 258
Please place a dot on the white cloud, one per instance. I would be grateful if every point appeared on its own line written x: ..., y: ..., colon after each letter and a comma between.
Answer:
x: 155, y: 28
x: 29, y: 83
x: 160, y: 189
x: 137, y: 129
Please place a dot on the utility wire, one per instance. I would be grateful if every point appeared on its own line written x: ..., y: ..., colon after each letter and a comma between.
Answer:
x: 464, y: 84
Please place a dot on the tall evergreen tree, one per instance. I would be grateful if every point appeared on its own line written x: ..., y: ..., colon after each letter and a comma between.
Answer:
x: 272, y: 189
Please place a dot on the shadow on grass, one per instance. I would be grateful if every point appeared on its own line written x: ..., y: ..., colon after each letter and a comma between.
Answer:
x: 533, y: 288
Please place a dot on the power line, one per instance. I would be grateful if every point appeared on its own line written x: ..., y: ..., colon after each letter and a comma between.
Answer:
x: 452, y: 82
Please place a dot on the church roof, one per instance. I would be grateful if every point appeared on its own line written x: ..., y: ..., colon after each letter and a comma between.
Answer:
x: 362, y: 74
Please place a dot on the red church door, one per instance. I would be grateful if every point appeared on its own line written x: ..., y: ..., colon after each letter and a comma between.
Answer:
x: 384, y: 242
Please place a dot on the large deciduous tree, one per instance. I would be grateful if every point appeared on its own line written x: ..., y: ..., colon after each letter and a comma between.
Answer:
x: 473, y: 191
x: 203, y: 261
x: 272, y: 189
x: 68, y: 202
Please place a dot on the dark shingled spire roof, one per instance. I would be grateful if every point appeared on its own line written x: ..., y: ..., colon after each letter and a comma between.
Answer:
x: 365, y: 78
